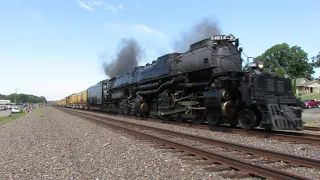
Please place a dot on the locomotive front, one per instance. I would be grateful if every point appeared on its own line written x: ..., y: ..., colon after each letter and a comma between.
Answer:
x: 269, y: 101
x: 251, y: 98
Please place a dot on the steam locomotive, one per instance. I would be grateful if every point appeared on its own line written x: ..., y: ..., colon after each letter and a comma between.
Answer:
x: 205, y: 84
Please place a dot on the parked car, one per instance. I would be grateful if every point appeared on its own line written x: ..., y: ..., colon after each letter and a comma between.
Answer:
x: 16, y: 110
x: 2, y: 108
x: 311, y: 103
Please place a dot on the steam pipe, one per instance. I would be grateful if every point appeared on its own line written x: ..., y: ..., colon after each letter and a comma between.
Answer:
x: 164, y: 85
x: 147, y: 86
x: 199, y: 84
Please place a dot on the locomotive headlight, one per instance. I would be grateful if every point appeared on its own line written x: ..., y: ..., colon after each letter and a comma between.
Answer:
x: 257, y: 64
x: 260, y: 64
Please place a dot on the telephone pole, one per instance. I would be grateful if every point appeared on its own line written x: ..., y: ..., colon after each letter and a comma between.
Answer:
x: 15, y: 96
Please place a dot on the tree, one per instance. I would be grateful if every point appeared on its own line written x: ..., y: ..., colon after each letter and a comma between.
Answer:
x: 316, y: 60
x: 294, y: 86
x: 23, y: 98
x: 294, y: 60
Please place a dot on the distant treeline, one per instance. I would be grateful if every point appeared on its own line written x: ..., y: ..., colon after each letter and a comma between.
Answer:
x: 23, y: 98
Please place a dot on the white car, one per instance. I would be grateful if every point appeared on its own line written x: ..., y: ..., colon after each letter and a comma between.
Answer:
x: 16, y: 110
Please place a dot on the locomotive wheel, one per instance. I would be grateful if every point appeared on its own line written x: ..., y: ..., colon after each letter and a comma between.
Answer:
x: 213, y: 120
x: 200, y: 117
x: 247, y: 119
x: 125, y: 110
x: 131, y: 112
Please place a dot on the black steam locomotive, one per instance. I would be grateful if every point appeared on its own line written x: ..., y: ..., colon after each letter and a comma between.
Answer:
x: 205, y: 84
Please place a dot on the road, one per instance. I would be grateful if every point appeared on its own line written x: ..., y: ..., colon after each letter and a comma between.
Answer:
x: 311, y: 114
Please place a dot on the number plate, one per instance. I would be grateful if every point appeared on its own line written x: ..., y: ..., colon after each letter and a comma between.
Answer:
x: 223, y: 37
x: 219, y: 37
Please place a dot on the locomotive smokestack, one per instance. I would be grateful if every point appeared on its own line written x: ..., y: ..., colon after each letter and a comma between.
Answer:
x: 203, y: 29
x: 128, y: 57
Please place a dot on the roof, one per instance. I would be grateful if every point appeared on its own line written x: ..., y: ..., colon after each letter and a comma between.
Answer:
x: 305, y: 82
x: 4, y: 101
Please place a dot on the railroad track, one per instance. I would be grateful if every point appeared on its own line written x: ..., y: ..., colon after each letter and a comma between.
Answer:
x: 289, y: 136
x: 311, y: 128
x: 249, y: 162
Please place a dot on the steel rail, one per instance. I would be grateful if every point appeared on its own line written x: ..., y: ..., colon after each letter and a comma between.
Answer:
x: 279, y: 135
x: 311, y: 128
x: 307, y: 162
x: 252, y: 168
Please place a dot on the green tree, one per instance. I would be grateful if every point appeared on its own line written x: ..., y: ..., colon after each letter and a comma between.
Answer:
x: 23, y: 98
x: 316, y: 60
x: 294, y: 60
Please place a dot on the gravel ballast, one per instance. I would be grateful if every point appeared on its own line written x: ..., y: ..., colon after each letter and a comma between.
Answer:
x: 51, y: 144
x: 304, y: 150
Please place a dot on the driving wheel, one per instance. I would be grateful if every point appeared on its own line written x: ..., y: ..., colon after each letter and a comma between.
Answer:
x: 247, y: 119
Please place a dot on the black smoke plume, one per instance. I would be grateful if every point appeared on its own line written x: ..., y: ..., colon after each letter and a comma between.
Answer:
x: 128, y: 57
x: 203, y: 29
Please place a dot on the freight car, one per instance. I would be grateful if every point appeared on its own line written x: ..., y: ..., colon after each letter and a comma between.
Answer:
x: 72, y: 100
x: 205, y: 84
x: 82, y: 99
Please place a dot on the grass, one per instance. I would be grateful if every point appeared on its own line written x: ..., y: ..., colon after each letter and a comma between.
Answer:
x: 6, y: 119
x: 38, y: 111
x: 310, y: 96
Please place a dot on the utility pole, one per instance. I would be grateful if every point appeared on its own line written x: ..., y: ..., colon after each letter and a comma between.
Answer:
x: 15, y: 97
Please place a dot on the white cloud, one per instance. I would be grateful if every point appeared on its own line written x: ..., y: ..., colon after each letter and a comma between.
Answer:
x: 121, y: 6
x: 108, y: 6
x: 137, y: 6
x: 147, y: 29
x: 99, y: 4
x: 85, y: 5
x: 134, y: 27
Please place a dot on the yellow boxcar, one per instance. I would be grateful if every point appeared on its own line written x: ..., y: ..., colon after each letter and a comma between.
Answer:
x: 82, y: 97
x: 68, y: 99
x: 63, y: 101
x: 78, y: 98
x: 74, y: 99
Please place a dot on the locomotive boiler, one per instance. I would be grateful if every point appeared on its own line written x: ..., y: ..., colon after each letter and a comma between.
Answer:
x: 205, y: 84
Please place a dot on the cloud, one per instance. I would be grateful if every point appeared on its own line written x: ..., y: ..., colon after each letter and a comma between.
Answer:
x: 147, y: 29
x: 121, y: 6
x: 134, y: 27
x: 137, y: 6
x: 85, y: 5
x: 99, y: 4
x: 113, y: 9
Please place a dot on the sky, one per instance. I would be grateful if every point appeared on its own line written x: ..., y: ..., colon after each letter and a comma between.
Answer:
x: 52, y: 48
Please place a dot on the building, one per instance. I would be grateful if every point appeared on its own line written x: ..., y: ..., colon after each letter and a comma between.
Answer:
x: 305, y: 86
x: 3, y: 102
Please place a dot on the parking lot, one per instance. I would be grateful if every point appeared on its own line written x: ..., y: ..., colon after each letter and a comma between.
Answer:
x: 4, y: 113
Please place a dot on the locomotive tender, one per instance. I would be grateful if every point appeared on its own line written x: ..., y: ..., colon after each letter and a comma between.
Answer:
x: 205, y: 84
